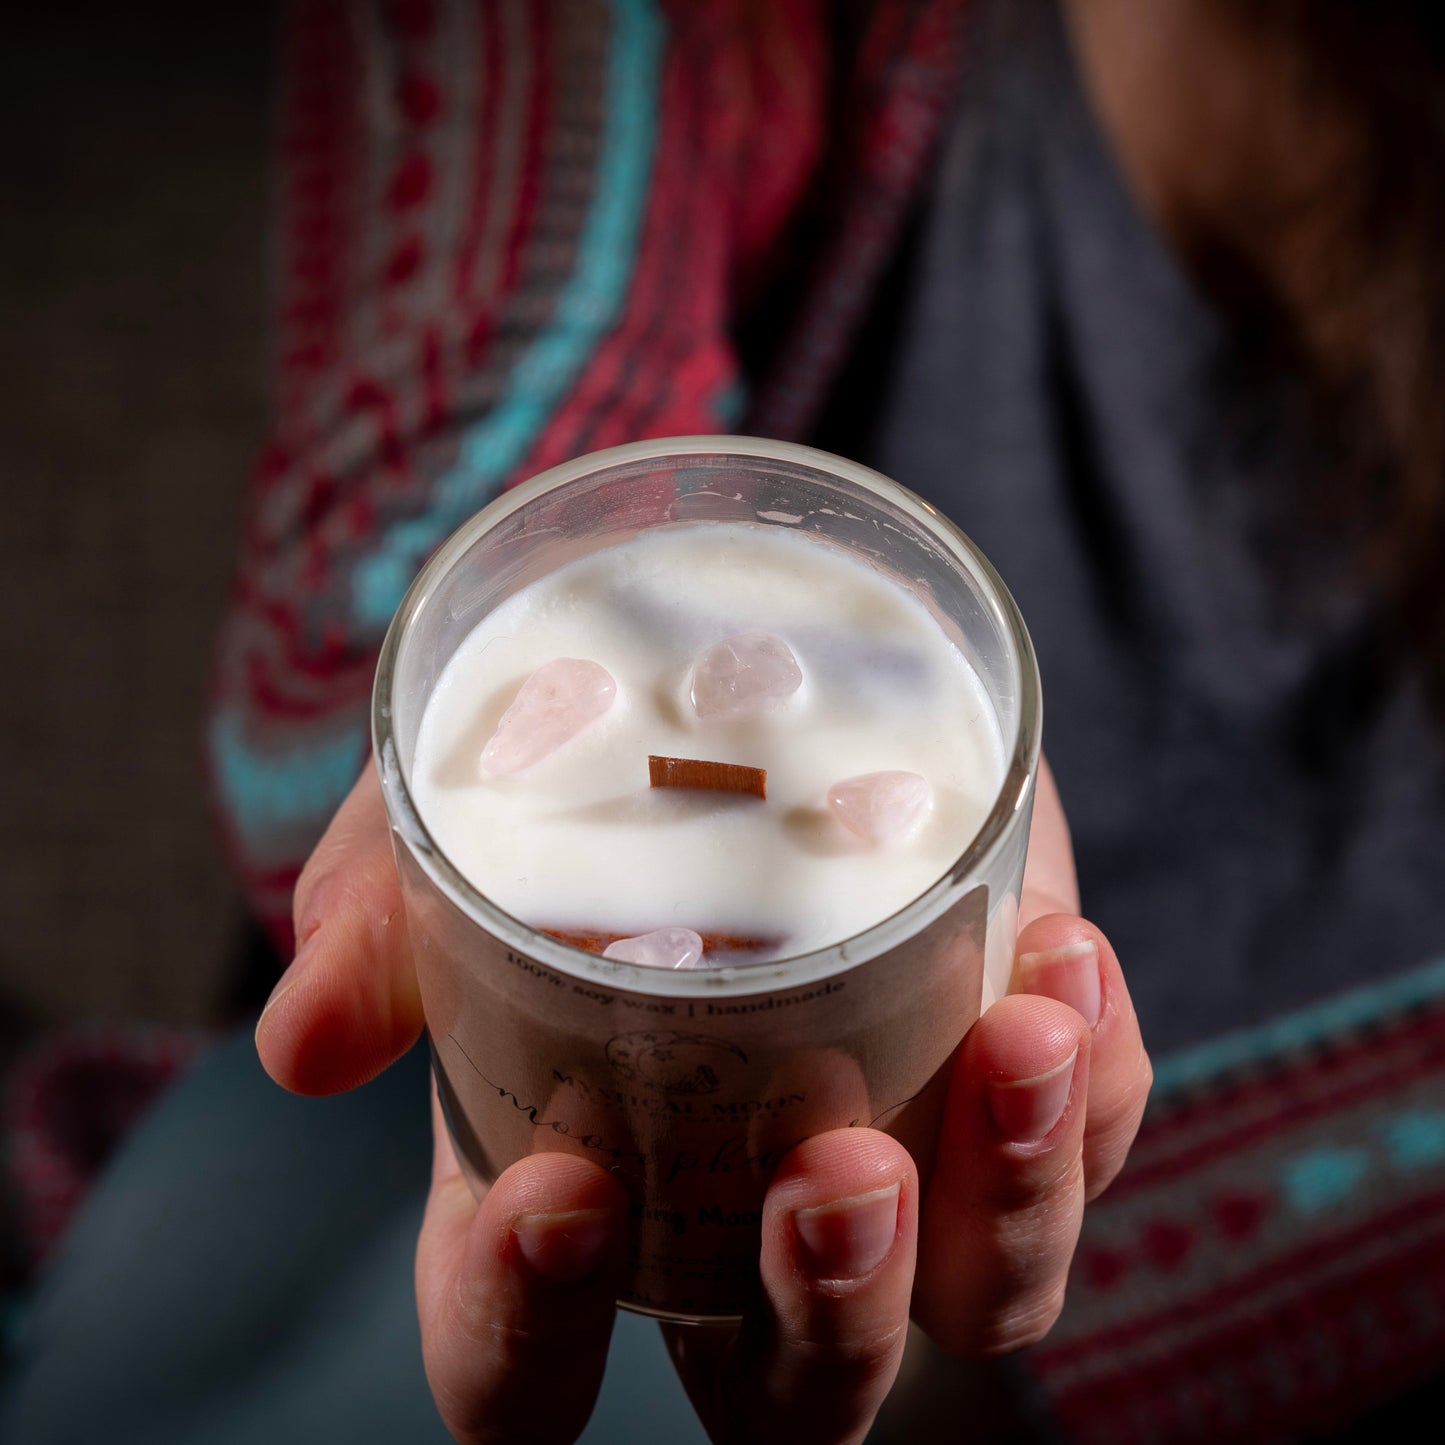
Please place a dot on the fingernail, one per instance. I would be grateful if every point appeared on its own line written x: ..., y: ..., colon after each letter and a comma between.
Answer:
x: 1025, y: 1110
x: 567, y: 1246
x: 850, y: 1237
x: 1069, y: 973
x: 293, y: 972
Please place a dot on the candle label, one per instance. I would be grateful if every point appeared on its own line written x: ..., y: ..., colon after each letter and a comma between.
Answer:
x: 691, y: 1101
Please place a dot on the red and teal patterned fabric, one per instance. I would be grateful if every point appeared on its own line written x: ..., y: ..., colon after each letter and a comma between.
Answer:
x: 1271, y: 1263
x: 513, y: 231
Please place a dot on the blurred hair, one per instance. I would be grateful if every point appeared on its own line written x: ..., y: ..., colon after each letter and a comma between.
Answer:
x: 1356, y: 262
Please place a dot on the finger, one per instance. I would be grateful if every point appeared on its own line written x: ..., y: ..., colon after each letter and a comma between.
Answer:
x: 348, y: 1005
x: 1065, y: 958
x: 1002, y: 1211
x: 815, y: 1362
x: 517, y: 1294
x: 1049, y: 883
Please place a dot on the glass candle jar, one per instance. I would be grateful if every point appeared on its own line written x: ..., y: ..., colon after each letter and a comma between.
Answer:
x: 691, y: 1085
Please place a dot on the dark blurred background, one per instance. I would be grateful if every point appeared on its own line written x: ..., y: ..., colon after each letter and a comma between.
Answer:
x: 132, y: 399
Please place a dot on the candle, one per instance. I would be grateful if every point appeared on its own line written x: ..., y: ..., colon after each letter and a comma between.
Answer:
x: 709, y: 765
x: 755, y: 647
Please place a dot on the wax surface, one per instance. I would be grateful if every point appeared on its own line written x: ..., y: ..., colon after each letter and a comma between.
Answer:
x: 580, y: 843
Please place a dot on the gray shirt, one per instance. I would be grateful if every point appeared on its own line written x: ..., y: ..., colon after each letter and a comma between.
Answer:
x: 1258, y: 805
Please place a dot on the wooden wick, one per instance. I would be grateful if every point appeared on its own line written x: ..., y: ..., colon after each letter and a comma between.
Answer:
x: 712, y: 777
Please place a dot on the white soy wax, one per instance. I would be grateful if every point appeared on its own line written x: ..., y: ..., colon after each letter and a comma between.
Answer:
x: 579, y: 843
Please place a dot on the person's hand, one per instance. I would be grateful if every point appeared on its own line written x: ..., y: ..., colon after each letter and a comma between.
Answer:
x: 516, y: 1293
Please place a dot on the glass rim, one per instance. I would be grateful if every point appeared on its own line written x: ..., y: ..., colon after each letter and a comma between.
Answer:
x: 740, y: 980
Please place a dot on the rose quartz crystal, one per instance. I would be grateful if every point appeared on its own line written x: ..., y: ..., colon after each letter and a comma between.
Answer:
x: 744, y: 675
x: 663, y: 948
x: 881, y: 808
x: 560, y: 699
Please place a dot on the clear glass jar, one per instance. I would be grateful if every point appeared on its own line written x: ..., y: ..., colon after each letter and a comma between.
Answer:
x: 691, y: 1086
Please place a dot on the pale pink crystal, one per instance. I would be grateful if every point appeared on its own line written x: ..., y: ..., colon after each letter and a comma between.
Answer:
x: 744, y: 675
x: 662, y: 948
x: 560, y: 699
x: 881, y: 808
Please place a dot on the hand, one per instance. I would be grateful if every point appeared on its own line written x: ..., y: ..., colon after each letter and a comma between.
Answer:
x: 517, y: 1291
